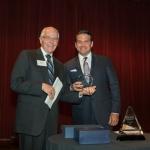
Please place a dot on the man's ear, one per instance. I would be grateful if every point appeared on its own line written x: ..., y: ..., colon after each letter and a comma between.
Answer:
x: 75, y: 44
x: 40, y: 40
x: 92, y: 44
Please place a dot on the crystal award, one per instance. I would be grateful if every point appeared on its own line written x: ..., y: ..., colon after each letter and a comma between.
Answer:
x: 130, y: 128
x: 87, y: 80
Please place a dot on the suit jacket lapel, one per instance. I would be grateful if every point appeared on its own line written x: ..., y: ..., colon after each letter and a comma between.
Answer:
x: 93, y: 65
x: 77, y: 65
x: 56, y: 67
x: 39, y: 55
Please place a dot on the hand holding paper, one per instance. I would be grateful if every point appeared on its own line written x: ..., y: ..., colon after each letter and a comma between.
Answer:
x: 57, y: 86
x: 48, y: 89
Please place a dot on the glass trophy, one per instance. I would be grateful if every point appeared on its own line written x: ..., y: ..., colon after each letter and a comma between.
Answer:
x: 130, y: 129
x: 86, y: 79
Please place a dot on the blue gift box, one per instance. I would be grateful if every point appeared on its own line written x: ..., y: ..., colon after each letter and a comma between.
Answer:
x: 92, y: 135
x: 69, y: 130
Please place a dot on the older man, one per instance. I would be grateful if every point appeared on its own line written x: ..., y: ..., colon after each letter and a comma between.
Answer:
x: 32, y: 77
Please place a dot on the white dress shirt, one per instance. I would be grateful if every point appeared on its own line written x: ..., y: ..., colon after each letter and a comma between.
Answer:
x: 88, y: 60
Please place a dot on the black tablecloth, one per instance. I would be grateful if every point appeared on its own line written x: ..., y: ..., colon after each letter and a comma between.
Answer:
x: 57, y: 142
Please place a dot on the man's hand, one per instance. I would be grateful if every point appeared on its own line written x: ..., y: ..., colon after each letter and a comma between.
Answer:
x: 113, y: 119
x: 76, y: 86
x: 88, y: 90
x: 49, y: 90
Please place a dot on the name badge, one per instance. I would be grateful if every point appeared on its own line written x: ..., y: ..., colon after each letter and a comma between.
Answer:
x: 41, y: 63
x: 73, y: 70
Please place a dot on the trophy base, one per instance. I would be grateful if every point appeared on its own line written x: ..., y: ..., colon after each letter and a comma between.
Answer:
x: 130, y: 137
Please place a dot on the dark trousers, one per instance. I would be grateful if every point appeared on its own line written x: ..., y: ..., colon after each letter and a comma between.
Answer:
x: 30, y: 142
x: 84, y: 113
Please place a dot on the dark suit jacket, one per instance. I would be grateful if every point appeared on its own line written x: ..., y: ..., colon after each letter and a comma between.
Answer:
x: 105, y: 100
x: 27, y: 78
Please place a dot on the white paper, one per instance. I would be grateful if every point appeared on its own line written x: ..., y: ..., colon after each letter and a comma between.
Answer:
x: 57, y: 86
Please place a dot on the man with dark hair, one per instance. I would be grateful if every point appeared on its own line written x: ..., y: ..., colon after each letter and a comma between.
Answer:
x: 100, y: 104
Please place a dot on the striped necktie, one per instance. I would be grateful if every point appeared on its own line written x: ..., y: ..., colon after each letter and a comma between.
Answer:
x: 50, y: 69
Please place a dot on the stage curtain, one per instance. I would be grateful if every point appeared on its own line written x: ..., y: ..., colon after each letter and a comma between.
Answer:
x: 121, y: 31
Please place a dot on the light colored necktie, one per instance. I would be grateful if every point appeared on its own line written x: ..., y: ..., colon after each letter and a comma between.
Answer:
x: 50, y: 69
x: 86, y: 68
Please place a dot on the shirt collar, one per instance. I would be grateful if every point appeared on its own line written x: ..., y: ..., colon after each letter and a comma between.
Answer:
x: 81, y: 58
x: 45, y: 53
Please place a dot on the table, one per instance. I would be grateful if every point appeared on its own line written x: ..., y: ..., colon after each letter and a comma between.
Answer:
x: 57, y: 142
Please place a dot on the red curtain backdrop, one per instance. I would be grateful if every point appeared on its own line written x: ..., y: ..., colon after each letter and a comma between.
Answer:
x: 121, y: 30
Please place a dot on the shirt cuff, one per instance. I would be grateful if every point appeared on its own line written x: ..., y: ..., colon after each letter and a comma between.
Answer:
x: 80, y: 95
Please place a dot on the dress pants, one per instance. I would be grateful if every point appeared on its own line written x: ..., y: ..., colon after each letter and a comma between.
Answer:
x: 30, y: 142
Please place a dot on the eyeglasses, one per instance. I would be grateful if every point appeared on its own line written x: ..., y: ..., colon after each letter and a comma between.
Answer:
x: 48, y: 38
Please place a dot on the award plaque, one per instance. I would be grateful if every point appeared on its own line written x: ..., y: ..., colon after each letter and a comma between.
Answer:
x: 130, y: 129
